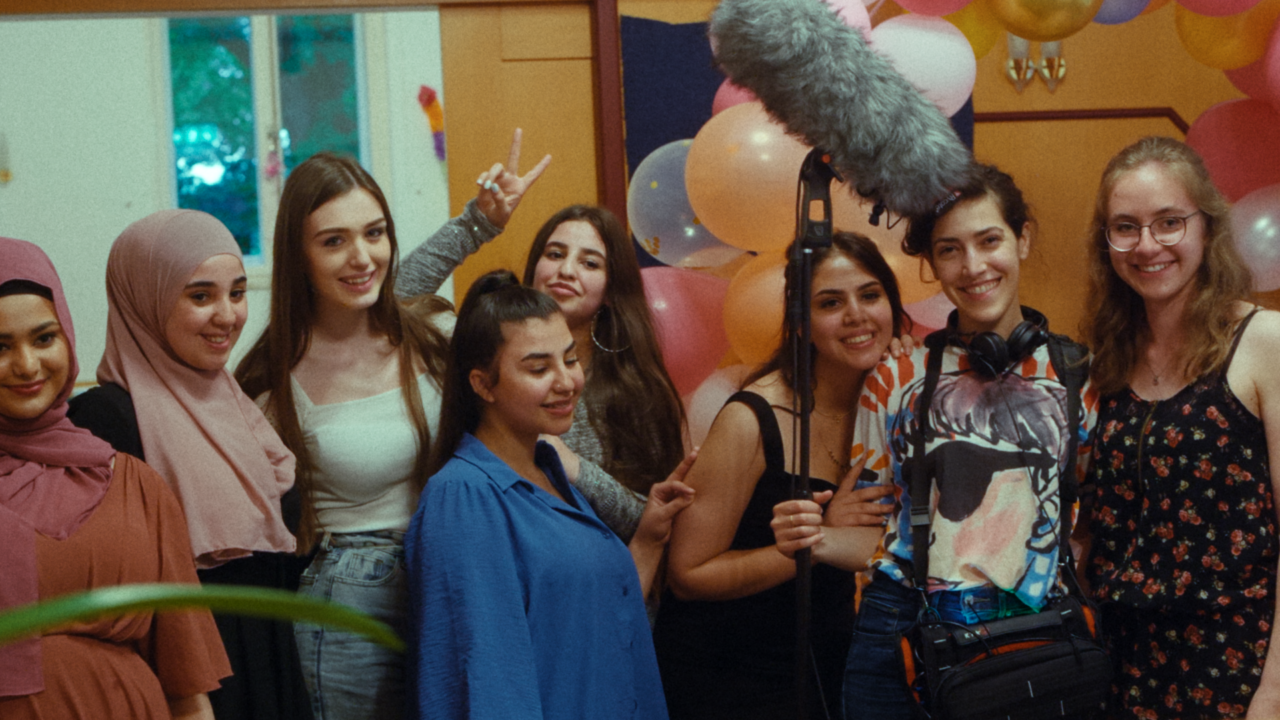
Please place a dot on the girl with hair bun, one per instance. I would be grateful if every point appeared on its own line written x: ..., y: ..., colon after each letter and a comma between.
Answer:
x: 1184, y: 546
x: 628, y: 430
x: 524, y: 603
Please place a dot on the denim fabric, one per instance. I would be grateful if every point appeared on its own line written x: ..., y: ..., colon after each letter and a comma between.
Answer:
x: 875, y: 686
x: 975, y: 605
x: 349, y: 677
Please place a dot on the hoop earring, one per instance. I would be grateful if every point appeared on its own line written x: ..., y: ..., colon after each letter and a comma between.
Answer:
x: 613, y: 331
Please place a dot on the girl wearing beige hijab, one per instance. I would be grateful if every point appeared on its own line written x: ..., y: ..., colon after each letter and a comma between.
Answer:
x: 176, y: 294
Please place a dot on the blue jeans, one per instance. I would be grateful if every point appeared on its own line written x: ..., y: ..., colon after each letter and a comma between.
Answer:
x: 349, y: 677
x: 875, y: 685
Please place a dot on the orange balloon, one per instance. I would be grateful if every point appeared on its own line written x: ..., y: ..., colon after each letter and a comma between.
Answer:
x: 1153, y: 6
x: 753, y: 307
x: 979, y: 26
x: 1228, y: 42
x: 852, y: 213
x: 741, y: 177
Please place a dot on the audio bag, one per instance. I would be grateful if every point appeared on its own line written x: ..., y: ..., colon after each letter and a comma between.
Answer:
x: 1047, y: 665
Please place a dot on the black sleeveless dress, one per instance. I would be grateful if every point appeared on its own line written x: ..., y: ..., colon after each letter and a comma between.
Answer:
x: 735, y: 659
x: 1184, y: 554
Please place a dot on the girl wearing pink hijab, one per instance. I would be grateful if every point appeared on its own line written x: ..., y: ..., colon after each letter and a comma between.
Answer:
x: 74, y: 516
x: 176, y: 295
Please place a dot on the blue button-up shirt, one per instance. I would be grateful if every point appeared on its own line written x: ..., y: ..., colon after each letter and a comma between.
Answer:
x: 523, y: 605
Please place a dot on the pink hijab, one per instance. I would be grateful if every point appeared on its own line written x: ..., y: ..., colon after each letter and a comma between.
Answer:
x: 52, y: 477
x: 199, y: 430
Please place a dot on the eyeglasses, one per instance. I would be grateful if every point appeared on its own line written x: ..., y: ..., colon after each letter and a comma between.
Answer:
x: 1124, y: 236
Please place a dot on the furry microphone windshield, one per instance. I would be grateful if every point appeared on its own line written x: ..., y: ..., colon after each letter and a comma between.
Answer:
x: 818, y: 77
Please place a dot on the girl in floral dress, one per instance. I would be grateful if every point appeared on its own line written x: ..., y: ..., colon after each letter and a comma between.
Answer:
x: 1184, y: 549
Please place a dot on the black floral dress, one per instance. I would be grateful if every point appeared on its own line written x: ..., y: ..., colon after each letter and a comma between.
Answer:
x: 1184, y: 554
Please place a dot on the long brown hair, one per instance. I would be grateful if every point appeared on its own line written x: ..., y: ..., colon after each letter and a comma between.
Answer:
x: 863, y: 252
x: 634, y: 406
x: 1117, y: 317
x: 269, y: 364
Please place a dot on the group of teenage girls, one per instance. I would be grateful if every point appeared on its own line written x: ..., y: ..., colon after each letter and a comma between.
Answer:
x: 509, y: 487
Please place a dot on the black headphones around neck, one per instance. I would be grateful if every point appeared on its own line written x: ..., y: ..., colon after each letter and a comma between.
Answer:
x: 991, y: 355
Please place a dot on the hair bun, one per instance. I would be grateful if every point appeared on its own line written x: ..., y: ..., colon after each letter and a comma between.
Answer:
x: 493, y: 282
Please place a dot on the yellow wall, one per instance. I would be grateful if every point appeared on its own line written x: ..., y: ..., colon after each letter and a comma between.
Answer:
x: 1057, y: 164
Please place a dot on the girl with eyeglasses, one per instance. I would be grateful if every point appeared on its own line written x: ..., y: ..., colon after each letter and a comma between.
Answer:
x: 1184, y: 549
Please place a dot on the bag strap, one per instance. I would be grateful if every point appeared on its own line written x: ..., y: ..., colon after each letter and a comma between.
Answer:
x: 936, y: 343
x: 1070, y: 362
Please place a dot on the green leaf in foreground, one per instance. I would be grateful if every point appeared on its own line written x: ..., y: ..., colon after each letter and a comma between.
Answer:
x: 233, y: 599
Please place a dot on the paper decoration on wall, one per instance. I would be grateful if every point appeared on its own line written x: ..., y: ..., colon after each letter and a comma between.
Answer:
x: 1021, y: 68
x: 430, y: 102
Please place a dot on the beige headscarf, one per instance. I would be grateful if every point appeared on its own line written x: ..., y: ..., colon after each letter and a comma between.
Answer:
x: 199, y: 430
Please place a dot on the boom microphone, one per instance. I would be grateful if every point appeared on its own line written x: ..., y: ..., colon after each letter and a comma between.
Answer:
x: 817, y: 76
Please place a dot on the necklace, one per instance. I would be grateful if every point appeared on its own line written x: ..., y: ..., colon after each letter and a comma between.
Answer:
x: 1155, y: 376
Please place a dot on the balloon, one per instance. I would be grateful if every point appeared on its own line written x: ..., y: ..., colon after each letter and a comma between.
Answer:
x: 1218, y: 8
x: 658, y: 208
x: 853, y: 13
x: 979, y: 25
x: 741, y: 178
x: 1228, y: 42
x: 932, y: 54
x: 1250, y: 79
x: 1255, y: 225
x: 929, y: 314
x: 1154, y: 5
x: 753, y: 308
x: 686, y: 315
x: 702, y: 406
x: 934, y: 7
x: 1114, y: 12
x: 1044, y: 20
x: 1240, y: 143
x: 729, y: 95
x: 851, y: 213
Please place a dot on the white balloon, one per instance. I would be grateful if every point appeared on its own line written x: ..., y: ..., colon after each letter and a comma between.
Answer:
x: 932, y: 54
x: 1255, y: 226
x: 702, y: 405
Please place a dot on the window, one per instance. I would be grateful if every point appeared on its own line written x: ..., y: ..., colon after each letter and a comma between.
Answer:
x: 252, y: 98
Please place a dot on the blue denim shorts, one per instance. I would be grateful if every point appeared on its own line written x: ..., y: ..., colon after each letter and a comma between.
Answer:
x: 348, y: 676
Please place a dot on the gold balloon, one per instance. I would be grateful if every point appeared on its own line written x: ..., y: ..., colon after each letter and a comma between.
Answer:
x: 979, y: 25
x: 1044, y: 20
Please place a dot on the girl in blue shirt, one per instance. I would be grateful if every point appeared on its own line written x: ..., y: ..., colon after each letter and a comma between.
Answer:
x: 525, y: 605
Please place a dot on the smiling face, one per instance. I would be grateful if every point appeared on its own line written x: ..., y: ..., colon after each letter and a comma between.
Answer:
x: 348, y: 251
x: 207, y: 318
x: 35, y: 357
x: 536, y: 379
x: 1158, y: 273
x: 852, y: 320
x: 572, y: 271
x: 977, y: 256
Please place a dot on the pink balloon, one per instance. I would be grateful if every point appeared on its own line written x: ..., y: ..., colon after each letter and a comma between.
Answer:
x: 729, y: 95
x: 933, y: 7
x: 1218, y: 8
x: 853, y: 13
x: 929, y: 314
x: 1255, y: 226
x: 1240, y: 143
x: 686, y: 314
x: 702, y: 406
x: 932, y: 54
x: 1250, y: 79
